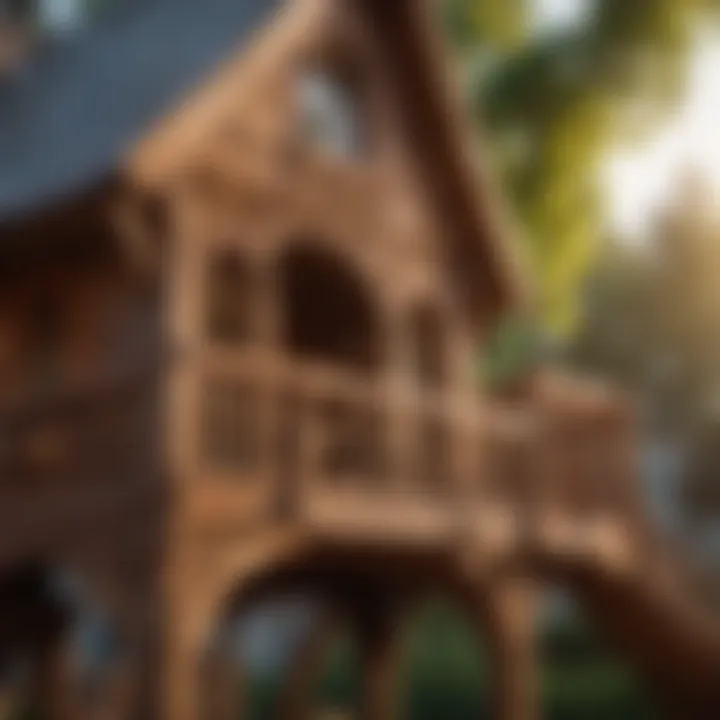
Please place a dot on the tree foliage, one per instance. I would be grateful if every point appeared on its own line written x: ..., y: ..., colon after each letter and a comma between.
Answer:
x: 653, y: 314
x: 554, y: 105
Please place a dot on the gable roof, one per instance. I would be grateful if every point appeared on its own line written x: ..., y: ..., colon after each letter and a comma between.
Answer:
x: 80, y: 103
x: 479, y: 235
x: 68, y: 121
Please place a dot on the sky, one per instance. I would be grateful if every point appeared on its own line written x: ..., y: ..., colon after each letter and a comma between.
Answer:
x: 552, y: 14
x: 61, y: 15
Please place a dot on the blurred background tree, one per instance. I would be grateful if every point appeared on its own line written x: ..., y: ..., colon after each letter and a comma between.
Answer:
x: 555, y: 103
x: 653, y: 313
x: 651, y: 324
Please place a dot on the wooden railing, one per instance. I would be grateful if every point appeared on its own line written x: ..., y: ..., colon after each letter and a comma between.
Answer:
x: 307, y: 419
x: 589, y: 457
x: 309, y: 430
x: 310, y: 440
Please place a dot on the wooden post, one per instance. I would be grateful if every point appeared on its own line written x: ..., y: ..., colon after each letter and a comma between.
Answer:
x: 512, y: 616
x: 381, y: 647
x: 298, y: 697
x: 51, y: 690
x: 223, y: 693
x: 399, y: 421
x: 182, y: 687
x: 380, y: 698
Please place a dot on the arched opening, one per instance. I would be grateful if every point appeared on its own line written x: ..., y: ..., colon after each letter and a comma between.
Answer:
x: 252, y: 649
x: 328, y: 315
x: 329, y: 318
x: 277, y: 659
x: 303, y: 639
x: 60, y: 653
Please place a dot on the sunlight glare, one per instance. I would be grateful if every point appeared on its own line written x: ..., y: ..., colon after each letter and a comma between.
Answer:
x: 553, y: 15
x: 640, y: 180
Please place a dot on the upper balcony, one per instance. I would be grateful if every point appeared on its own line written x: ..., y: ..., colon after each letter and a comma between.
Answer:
x: 348, y: 414
x: 333, y: 424
x: 358, y: 459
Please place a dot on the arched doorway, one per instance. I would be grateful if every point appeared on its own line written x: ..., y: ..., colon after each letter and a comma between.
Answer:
x: 252, y: 649
x: 429, y: 665
x: 328, y: 314
x: 303, y: 641
x: 330, y: 322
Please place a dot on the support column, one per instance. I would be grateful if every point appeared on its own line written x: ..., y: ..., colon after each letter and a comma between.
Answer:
x: 298, y: 695
x: 185, y: 633
x: 400, y: 429
x: 512, y: 616
x: 380, y: 637
x: 52, y: 679
x: 182, y: 687
x: 117, y: 696
x: 222, y: 690
x: 380, y: 696
x: 133, y: 691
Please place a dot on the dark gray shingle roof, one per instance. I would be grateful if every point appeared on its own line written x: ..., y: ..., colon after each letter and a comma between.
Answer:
x: 68, y: 116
